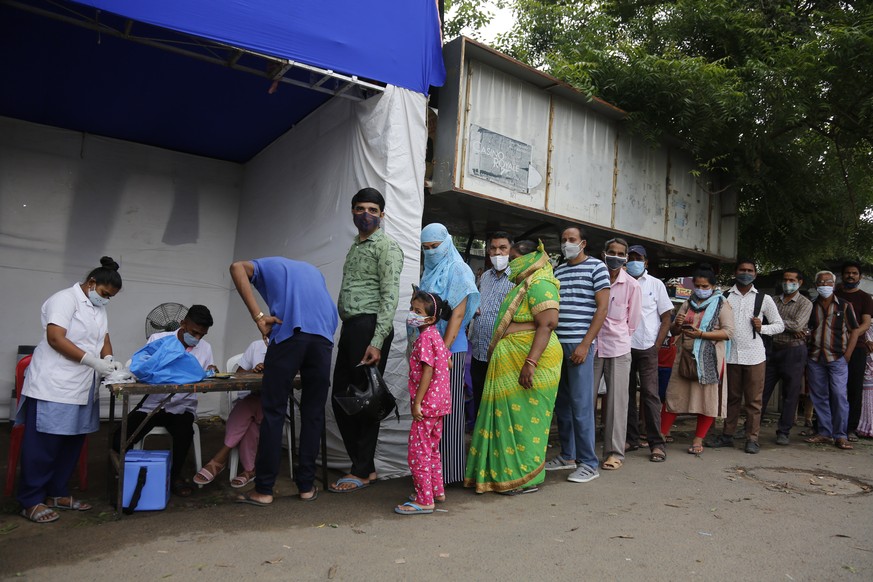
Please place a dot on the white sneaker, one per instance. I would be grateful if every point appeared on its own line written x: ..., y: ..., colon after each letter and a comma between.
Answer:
x: 559, y: 463
x: 583, y: 474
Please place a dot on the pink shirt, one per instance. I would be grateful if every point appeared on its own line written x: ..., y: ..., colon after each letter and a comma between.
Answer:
x: 430, y: 349
x: 622, y: 317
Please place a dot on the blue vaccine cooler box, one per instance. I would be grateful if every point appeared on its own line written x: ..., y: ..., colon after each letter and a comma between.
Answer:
x: 156, y: 491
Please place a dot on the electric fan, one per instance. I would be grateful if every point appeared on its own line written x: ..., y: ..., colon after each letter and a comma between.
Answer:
x: 164, y: 317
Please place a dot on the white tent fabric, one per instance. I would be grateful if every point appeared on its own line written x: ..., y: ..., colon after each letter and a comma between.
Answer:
x: 66, y: 198
x: 175, y: 222
x: 297, y: 203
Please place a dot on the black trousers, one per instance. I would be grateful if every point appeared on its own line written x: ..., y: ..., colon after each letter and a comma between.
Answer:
x: 478, y: 371
x: 644, y: 363
x: 359, y: 436
x: 855, y: 386
x: 308, y: 354
x: 789, y: 365
x: 180, y: 427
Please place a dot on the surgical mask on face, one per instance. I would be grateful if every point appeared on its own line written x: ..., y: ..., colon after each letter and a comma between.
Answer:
x: 614, y: 262
x: 745, y: 278
x: 790, y: 288
x: 96, y: 299
x: 703, y: 293
x: 500, y: 262
x: 636, y: 268
x: 415, y: 320
x: 851, y: 285
x: 825, y: 290
x: 570, y: 250
x: 366, y: 222
x: 190, y: 340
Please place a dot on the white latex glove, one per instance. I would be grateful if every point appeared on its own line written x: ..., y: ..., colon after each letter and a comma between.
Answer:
x: 102, y: 367
x: 115, y: 365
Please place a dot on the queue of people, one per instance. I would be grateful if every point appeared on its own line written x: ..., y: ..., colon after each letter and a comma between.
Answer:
x: 540, y: 340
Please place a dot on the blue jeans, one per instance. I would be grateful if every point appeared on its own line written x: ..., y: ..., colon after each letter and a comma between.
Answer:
x: 827, y: 388
x: 574, y: 408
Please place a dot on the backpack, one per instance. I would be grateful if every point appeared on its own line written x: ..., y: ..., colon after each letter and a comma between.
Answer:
x: 756, y: 312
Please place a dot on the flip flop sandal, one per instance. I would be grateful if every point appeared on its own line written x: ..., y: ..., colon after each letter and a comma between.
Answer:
x: 611, y: 464
x: 314, y: 496
x: 658, y: 456
x: 415, y: 509
x: 819, y: 439
x: 182, y: 488
x: 36, y: 514
x: 204, y: 476
x: 241, y: 480
x: 695, y: 450
x: 358, y: 484
x: 852, y: 437
x: 519, y: 491
x: 247, y: 498
x: 74, y: 505
x: 669, y: 439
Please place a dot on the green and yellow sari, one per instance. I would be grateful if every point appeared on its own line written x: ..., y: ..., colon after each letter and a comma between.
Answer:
x: 512, y: 428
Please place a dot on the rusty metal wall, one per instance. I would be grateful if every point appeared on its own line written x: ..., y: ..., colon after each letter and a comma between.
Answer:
x: 525, y: 145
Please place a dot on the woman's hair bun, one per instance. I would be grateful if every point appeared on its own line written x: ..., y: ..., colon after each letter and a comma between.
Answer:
x: 108, y: 263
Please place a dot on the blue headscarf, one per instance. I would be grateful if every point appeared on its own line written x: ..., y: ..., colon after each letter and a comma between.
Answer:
x: 446, y: 274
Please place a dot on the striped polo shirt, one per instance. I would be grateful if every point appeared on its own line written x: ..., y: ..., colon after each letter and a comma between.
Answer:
x: 579, y: 283
x: 829, y: 330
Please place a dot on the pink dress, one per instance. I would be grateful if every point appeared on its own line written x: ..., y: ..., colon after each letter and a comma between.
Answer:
x: 424, y: 435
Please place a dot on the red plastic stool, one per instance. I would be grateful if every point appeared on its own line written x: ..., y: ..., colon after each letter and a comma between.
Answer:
x: 18, y: 434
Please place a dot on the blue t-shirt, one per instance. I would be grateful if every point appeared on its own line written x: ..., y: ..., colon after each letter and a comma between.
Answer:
x: 297, y: 294
x: 579, y: 283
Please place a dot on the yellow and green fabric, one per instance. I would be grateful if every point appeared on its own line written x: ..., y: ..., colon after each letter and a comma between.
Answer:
x: 512, y: 427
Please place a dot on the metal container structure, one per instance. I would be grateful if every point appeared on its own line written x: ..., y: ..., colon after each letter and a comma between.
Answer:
x: 512, y: 135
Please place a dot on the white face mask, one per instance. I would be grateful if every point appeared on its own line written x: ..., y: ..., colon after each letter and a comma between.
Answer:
x: 96, y: 299
x: 570, y: 250
x: 415, y: 320
x: 500, y: 262
x: 825, y: 290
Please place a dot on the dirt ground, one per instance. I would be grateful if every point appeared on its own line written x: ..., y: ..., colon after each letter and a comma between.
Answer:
x: 800, y: 512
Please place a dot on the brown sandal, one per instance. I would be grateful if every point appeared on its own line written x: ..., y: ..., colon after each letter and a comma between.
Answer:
x: 658, y: 455
x: 819, y: 439
x: 695, y: 450
x: 843, y: 444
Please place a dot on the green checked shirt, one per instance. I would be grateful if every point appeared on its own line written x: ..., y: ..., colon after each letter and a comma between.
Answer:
x: 371, y: 282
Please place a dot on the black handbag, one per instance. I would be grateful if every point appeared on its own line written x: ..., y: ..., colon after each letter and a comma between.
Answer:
x: 370, y: 399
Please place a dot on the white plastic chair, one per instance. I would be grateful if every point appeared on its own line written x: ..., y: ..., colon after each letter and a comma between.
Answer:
x: 232, y: 366
x: 159, y: 430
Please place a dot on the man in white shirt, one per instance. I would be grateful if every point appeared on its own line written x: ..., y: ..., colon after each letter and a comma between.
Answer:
x: 747, y: 362
x: 179, y: 413
x: 647, y: 339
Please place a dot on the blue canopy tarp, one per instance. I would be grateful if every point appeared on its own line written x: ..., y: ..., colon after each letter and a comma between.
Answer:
x: 392, y: 41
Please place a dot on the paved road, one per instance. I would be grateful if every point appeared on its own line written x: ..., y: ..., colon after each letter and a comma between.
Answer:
x: 785, y: 514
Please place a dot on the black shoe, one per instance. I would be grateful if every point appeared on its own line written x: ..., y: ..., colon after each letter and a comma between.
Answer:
x: 722, y: 440
x: 782, y: 439
x: 752, y: 447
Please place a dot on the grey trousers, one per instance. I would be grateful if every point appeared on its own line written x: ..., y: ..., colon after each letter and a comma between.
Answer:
x: 616, y: 372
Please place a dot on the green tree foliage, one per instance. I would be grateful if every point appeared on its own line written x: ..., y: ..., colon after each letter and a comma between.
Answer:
x: 774, y: 97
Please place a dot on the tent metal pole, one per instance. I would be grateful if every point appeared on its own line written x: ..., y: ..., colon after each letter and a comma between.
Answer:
x: 284, y: 65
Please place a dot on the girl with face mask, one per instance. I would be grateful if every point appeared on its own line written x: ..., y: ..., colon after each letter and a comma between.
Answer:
x: 59, y: 403
x: 430, y: 400
x: 704, y: 326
